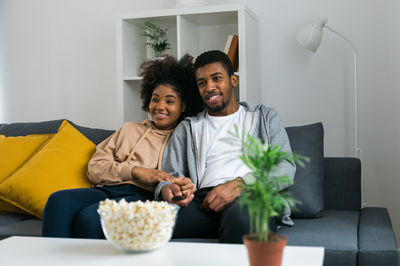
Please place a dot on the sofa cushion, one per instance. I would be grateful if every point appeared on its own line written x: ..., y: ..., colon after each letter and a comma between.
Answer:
x: 14, y: 152
x: 336, y: 231
x: 96, y: 135
x: 377, y: 242
x: 342, y: 183
x: 22, y: 129
x: 26, y: 227
x: 29, y: 128
x: 10, y: 218
x: 308, y: 185
x: 60, y: 164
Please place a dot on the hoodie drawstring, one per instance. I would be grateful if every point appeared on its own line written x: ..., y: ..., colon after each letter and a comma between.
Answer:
x: 160, y: 155
x: 134, y: 147
x: 162, y: 151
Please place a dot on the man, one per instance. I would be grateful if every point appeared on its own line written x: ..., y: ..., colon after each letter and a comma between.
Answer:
x: 195, y: 150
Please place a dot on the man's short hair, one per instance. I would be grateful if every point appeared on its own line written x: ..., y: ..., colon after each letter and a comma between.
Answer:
x: 212, y: 57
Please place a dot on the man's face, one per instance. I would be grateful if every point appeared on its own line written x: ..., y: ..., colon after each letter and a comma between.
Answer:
x: 216, y: 88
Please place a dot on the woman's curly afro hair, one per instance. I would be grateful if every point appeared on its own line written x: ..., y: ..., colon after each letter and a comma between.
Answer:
x: 178, y: 74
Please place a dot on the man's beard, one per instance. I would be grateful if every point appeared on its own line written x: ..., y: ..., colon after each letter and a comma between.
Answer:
x: 216, y: 109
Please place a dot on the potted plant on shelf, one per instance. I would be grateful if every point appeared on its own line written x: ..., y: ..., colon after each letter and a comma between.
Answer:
x: 264, y: 198
x: 156, y: 38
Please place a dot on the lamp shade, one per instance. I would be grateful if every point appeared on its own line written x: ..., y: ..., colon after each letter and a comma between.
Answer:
x: 311, y: 35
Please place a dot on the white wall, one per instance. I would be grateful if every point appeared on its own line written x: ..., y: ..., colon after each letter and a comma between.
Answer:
x: 61, y: 59
x: 61, y: 62
x: 306, y: 87
x: 2, y: 87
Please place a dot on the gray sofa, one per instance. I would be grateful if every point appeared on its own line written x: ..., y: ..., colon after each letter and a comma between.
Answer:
x: 329, y: 188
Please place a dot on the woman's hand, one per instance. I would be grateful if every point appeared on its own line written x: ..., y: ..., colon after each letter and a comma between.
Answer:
x: 169, y: 191
x: 185, y: 184
x: 147, y: 176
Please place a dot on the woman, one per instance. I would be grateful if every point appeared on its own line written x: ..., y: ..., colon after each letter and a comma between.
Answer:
x: 128, y: 163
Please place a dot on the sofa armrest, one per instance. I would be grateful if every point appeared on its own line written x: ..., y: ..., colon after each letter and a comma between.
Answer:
x: 342, y: 184
x: 376, y: 240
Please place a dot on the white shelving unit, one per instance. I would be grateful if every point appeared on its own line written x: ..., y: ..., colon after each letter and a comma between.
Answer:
x: 191, y: 30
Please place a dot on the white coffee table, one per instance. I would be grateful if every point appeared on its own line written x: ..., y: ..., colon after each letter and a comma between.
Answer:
x: 60, y: 251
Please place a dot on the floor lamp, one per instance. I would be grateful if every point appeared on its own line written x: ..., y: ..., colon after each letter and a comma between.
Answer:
x: 310, y: 38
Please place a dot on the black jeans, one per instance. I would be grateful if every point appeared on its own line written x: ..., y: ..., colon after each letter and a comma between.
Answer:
x: 229, y: 225
x: 73, y: 212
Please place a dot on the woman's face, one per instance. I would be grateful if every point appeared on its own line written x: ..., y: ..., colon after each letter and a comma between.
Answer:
x: 165, y: 107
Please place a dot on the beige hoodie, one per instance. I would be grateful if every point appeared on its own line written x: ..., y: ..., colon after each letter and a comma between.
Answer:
x: 134, y: 144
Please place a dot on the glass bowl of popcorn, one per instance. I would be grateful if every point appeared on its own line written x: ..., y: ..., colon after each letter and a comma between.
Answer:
x: 137, y: 226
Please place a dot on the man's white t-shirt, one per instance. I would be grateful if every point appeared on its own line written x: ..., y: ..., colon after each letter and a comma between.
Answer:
x: 222, y: 159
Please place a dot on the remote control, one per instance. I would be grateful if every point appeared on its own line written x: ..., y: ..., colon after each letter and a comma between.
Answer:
x: 178, y: 198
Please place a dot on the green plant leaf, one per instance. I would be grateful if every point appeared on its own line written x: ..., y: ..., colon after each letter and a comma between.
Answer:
x: 156, y: 38
x: 263, y: 197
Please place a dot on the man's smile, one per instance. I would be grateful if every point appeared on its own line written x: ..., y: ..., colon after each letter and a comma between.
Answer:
x: 213, y: 98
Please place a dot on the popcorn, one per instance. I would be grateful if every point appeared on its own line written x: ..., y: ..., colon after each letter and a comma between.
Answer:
x: 137, y: 225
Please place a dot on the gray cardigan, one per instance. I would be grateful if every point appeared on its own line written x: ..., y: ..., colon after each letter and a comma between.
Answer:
x: 184, y: 154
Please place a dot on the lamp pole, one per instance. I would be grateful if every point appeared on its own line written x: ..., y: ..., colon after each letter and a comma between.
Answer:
x: 310, y: 37
x: 357, y: 149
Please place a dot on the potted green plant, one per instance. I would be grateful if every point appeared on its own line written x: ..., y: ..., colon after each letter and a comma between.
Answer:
x: 264, y: 197
x: 156, y: 38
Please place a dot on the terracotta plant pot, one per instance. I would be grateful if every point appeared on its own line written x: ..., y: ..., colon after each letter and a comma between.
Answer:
x: 265, y: 253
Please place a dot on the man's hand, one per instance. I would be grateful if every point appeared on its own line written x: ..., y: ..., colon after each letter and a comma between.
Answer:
x: 185, y: 184
x: 171, y: 190
x: 147, y: 176
x: 222, y: 195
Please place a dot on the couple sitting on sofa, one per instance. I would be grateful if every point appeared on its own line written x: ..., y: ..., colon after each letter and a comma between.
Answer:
x: 146, y: 161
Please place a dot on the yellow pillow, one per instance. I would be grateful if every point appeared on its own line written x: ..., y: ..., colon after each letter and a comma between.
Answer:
x: 14, y: 152
x: 60, y: 164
